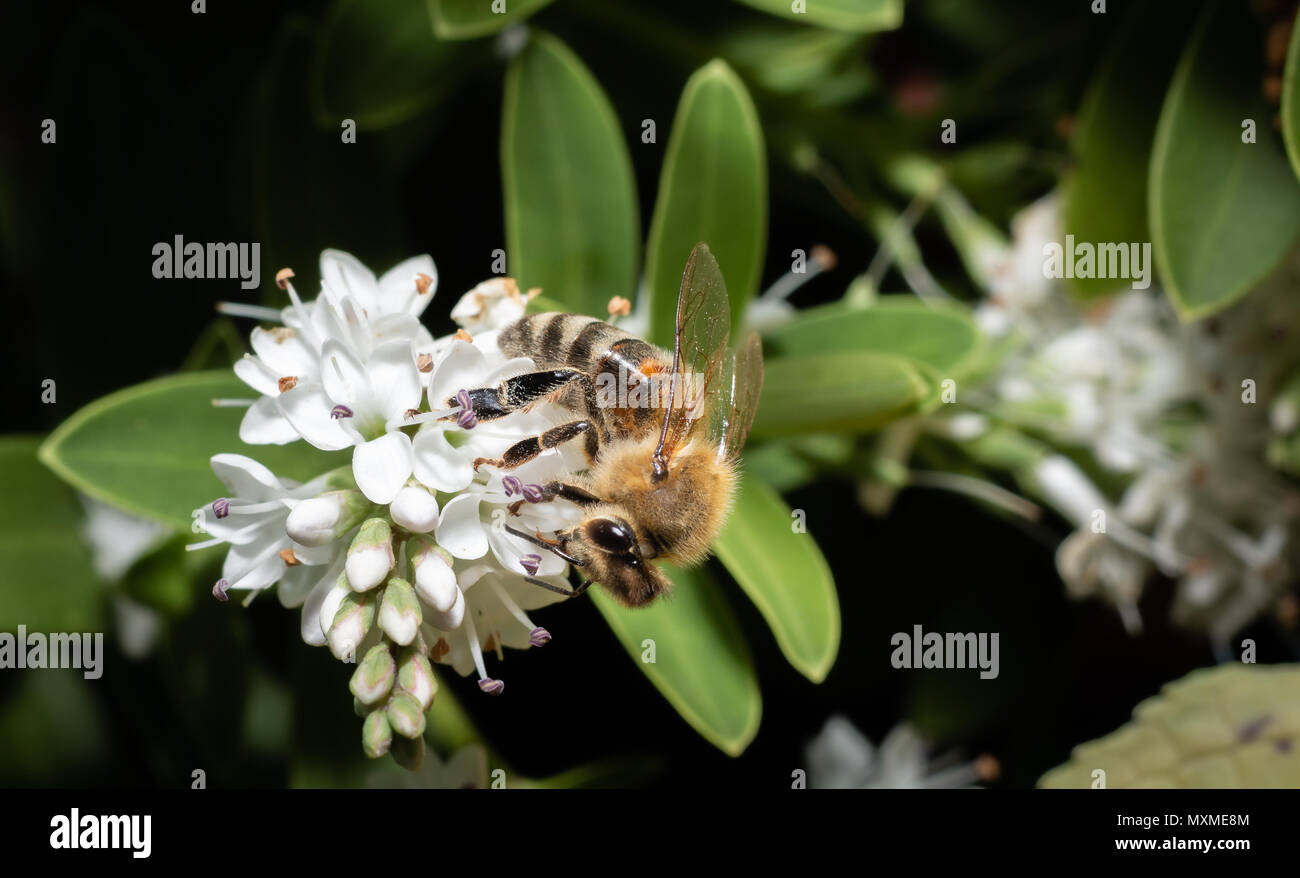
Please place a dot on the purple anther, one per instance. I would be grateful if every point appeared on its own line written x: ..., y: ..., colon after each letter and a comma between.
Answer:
x: 462, y: 398
x: 221, y: 507
x: 533, y: 493
x: 539, y: 637
x: 492, y: 687
x: 219, y: 590
x: 467, y: 420
x: 512, y: 485
x: 530, y: 563
x: 340, y: 411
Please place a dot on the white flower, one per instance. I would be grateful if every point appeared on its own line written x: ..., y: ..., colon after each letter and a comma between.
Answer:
x: 841, y: 757
x: 252, y: 522
x: 355, y: 309
x: 492, y: 304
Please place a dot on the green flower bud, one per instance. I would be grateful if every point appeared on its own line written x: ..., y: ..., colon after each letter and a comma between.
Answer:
x: 408, y: 752
x: 373, y: 678
x: 415, y: 675
x: 399, y: 612
x: 324, y: 519
x: 432, y: 568
x: 352, y: 621
x: 405, y: 714
x: 370, y: 556
x: 376, y: 734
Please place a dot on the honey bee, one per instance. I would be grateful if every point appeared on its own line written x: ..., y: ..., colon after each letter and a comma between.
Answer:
x: 662, y: 464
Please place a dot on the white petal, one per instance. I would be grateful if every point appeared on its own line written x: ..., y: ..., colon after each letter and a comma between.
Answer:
x: 394, y: 380
x: 439, y: 465
x: 344, y: 375
x: 460, y: 531
x: 285, y: 352
x: 329, y: 605
x: 257, y: 375
x: 264, y: 425
x: 462, y: 367
x: 296, y: 583
x: 246, y: 478
x: 382, y: 466
x: 346, y: 276
x: 450, y: 620
x: 397, y: 288
x: 308, y: 409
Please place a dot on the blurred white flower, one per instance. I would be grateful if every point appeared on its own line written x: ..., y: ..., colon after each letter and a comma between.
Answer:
x: 841, y: 757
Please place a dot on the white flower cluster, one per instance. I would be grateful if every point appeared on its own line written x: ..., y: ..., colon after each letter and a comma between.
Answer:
x: 398, y: 555
x: 1168, y: 412
x: 841, y: 758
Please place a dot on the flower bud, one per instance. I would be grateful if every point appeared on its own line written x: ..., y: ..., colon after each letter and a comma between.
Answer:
x: 376, y: 734
x: 415, y: 675
x: 450, y: 620
x: 415, y: 508
x: 373, y: 679
x: 399, y: 611
x: 405, y: 715
x: 408, y: 752
x: 370, y: 556
x: 434, y: 579
x: 324, y: 519
x: 352, y: 621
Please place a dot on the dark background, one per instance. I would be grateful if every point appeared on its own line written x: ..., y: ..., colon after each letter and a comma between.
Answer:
x: 200, y: 125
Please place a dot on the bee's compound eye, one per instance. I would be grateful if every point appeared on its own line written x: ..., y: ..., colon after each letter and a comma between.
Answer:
x: 611, y: 535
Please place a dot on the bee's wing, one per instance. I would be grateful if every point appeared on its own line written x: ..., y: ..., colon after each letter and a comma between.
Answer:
x: 735, y: 398
x: 700, y: 343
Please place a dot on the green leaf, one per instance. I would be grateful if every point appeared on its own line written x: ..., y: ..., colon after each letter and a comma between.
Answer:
x: 1230, y: 727
x: 785, y: 575
x: 1223, y: 213
x: 839, y: 391
x: 854, y: 15
x: 702, y: 664
x: 377, y: 63
x: 146, y: 449
x: 1291, y: 101
x: 942, y: 338
x: 713, y: 188
x: 462, y: 19
x: 1105, y: 198
x: 572, y: 224
x: 49, y: 582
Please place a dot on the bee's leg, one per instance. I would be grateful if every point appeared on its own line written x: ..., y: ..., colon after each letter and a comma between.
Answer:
x: 526, y: 449
x: 550, y: 491
x: 490, y: 403
x: 571, y: 592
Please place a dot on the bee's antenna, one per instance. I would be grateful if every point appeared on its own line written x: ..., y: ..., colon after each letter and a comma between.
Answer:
x: 551, y: 547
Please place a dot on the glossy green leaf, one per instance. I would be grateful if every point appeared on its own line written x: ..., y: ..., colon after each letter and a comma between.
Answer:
x: 49, y: 582
x: 572, y: 224
x: 854, y: 15
x: 1104, y: 199
x: 1291, y: 101
x: 145, y: 449
x: 835, y: 392
x: 944, y: 339
x: 377, y: 63
x: 1223, y: 213
x: 462, y: 19
x: 785, y: 575
x: 1233, y: 726
x: 713, y: 188
x: 702, y: 663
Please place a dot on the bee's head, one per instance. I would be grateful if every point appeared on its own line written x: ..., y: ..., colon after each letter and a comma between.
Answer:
x: 610, y: 554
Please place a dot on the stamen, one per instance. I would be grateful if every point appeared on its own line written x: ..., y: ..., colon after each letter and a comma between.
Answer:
x: 256, y: 508
x: 422, y: 283
x: 439, y: 649
x: 289, y: 558
x: 820, y: 259
x: 407, y: 420
x: 476, y: 652
x: 539, y: 637
x: 219, y: 590
x: 619, y: 307
x: 340, y: 411
x: 232, y: 403
x: 462, y: 335
x: 512, y: 485
x: 533, y: 493
x: 492, y: 687
x: 282, y: 278
x: 206, y: 544
x: 253, y: 312
x: 511, y: 607
x: 467, y: 420
x: 530, y: 563
x: 424, y: 362
x: 287, y: 383
x: 221, y: 507
x: 303, y: 317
